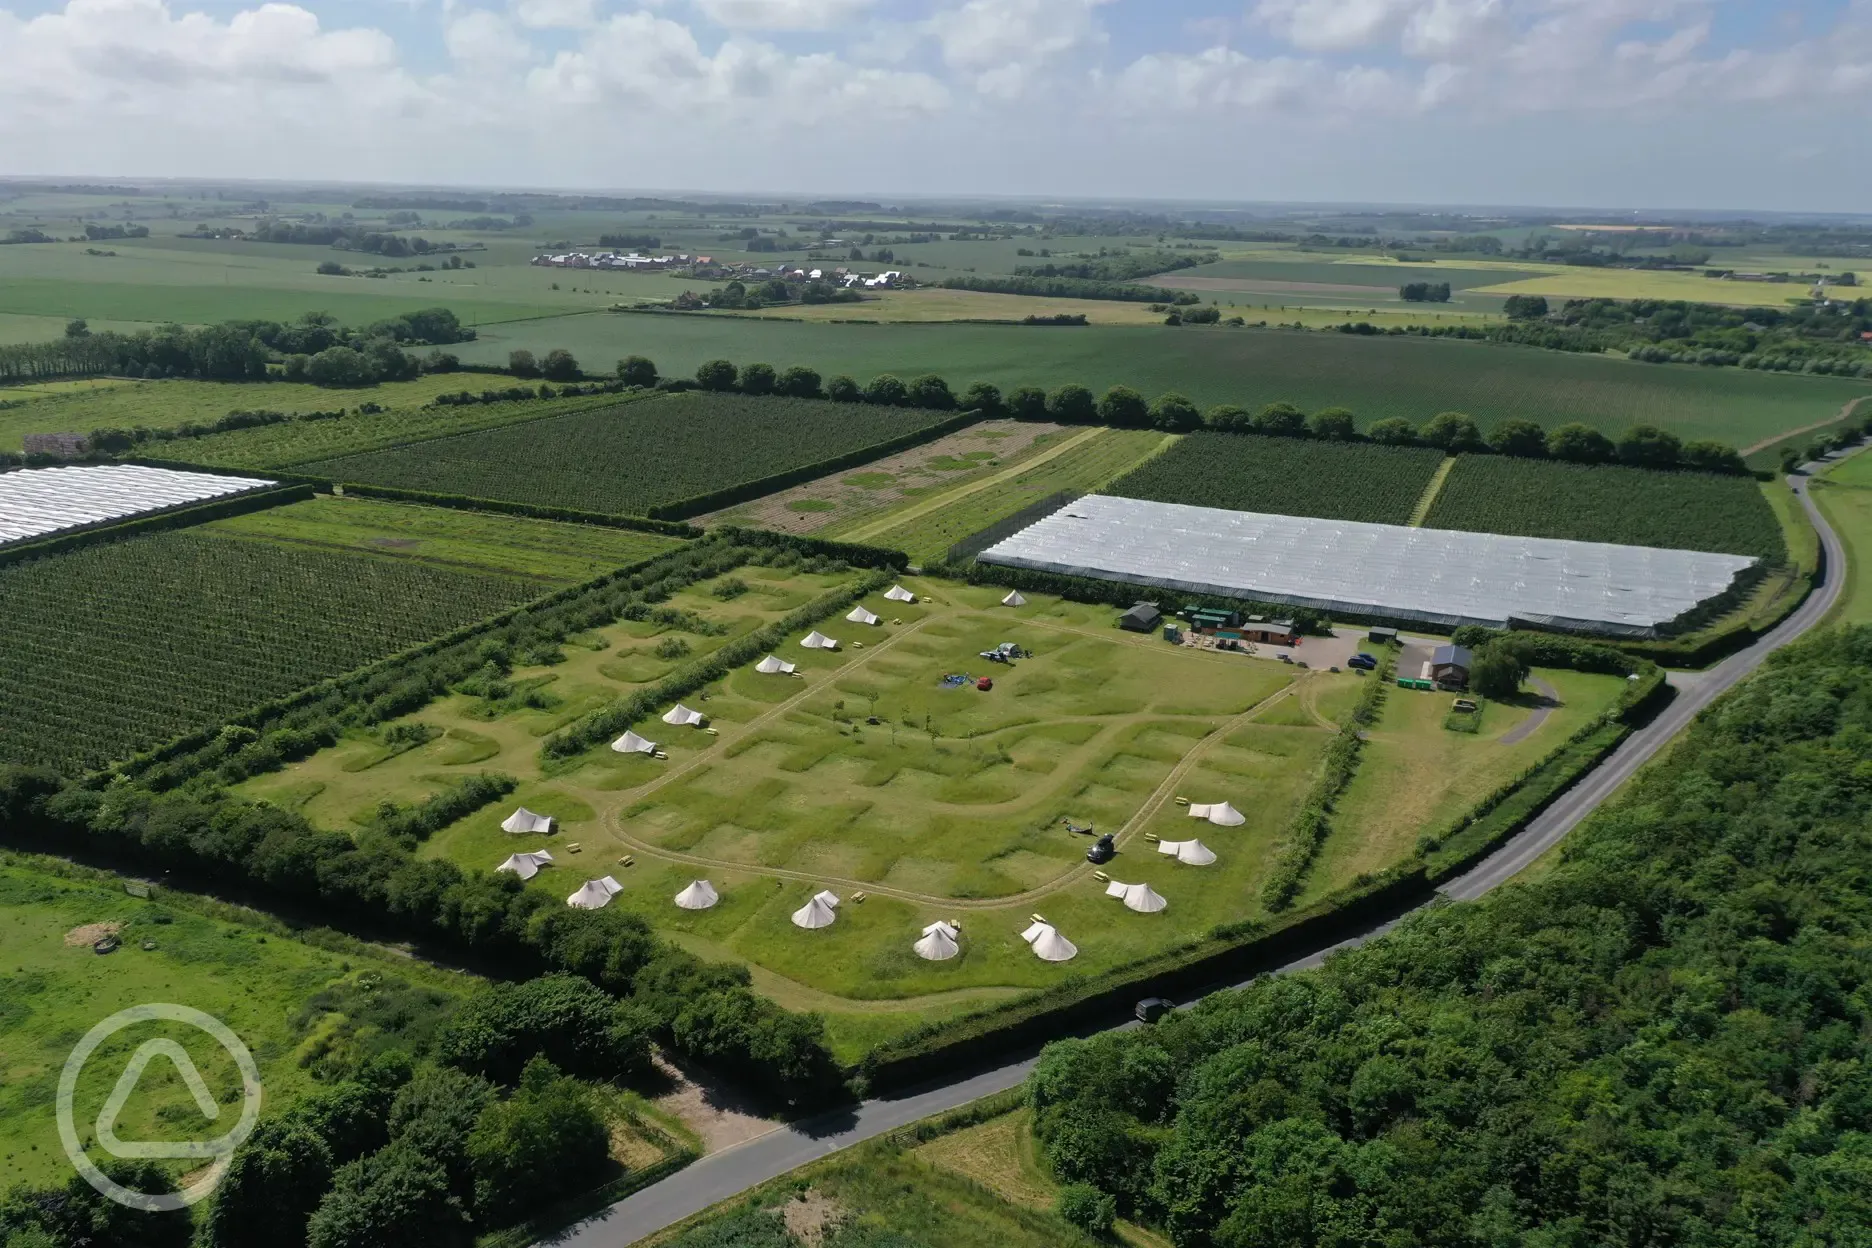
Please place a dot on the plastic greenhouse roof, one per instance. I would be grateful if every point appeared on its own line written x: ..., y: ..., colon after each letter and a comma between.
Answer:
x: 38, y: 502
x: 1436, y: 576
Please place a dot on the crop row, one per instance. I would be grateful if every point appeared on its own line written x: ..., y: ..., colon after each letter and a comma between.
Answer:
x: 629, y: 460
x: 116, y: 647
x: 1243, y: 472
x: 1609, y: 503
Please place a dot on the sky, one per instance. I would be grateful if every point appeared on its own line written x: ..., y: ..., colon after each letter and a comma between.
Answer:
x: 1638, y: 104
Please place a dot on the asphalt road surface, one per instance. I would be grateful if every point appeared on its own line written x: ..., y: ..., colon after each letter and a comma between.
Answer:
x: 732, y: 1171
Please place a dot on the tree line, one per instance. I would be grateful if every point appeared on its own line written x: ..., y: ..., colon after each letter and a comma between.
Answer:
x: 1662, y: 1041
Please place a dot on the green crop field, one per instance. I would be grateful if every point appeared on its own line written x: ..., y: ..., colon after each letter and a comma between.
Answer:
x: 543, y: 550
x: 1844, y: 494
x: 301, y: 1009
x: 1412, y: 378
x: 1286, y: 476
x: 927, y: 527
x: 119, y: 646
x: 1630, y: 506
x: 627, y: 460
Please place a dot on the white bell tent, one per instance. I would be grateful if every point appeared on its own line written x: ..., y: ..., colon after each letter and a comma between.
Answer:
x: 523, y: 821
x: 595, y: 894
x: 1194, y: 853
x: 1048, y: 945
x: 1219, y: 813
x: 817, y: 640
x: 938, y: 943
x: 526, y: 866
x: 773, y: 665
x: 631, y: 743
x: 1139, y: 897
x: 680, y: 714
x: 817, y: 913
x: 700, y: 895
x: 861, y: 616
x: 898, y: 593
x: 1014, y: 599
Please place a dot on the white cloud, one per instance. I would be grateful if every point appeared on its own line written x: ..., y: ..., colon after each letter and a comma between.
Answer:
x: 482, y: 41
x: 1334, y: 25
x: 784, y: 14
x: 1002, y: 45
x: 551, y: 14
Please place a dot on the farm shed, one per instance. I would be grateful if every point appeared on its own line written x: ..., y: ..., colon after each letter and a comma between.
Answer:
x: 1382, y: 636
x: 1449, y: 666
x: 1437, y: 576
x: 1142, y: 618
x: 38, y: 502
x: 1270, y: 632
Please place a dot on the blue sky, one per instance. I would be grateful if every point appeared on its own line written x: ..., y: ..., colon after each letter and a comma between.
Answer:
x: 1707, y: 104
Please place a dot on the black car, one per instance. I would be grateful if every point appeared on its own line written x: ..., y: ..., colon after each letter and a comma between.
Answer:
x: 1103, y: 850
x: 1150, y: 1009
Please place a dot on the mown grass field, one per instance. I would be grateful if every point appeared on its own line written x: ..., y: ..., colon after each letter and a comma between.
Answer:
x: 1377, y: 378
x: 949, y: 807
x: 542, y: 550
x: 1286, y: 476
x: 1608, y: 503
x: 627, y: 459
x: 119, y: 646
x: 925, y: 528
x: 1844, y: 495
x: 298, y: 1006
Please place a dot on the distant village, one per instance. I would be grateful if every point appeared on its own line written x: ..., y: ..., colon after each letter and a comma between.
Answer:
x: 704, y: 268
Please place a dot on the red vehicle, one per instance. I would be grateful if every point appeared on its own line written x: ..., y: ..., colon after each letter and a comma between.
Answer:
x: 985, y: 684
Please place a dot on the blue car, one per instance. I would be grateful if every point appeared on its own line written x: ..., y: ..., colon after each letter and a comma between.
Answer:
x: 1365, y: 661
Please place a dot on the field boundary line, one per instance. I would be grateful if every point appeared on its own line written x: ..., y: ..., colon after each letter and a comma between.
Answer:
x: 1427, y: 499
x: 1845, y: 413
x: 923, y: 507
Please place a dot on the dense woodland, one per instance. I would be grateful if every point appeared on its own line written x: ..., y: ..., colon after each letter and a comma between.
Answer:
x: 1665, y: 1041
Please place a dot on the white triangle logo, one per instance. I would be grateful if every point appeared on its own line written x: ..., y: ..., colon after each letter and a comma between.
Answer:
x: 126, y: 1084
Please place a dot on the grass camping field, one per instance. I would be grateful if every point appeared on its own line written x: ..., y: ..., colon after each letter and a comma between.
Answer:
x: 1413, y: 378
x: 1608, y: 503
x: 299, y: 1006
x: 1286, y: 476
x: 950, y: 806
x: 632, y: 459
x: 115, y: 647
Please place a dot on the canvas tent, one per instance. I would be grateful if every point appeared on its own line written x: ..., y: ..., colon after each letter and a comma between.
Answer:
x: 1220, y: 813
x: 773, y: 665
x: 524, y: 820
x: 700, y: 895
x: 1193, y: 853
x: 938, y: 943
x: 1014, y: 599
x: 595, y: 894
x: 1048, y: 944
x: 631, y: 743
x: 898, y: 593
x: 680, y: 714
x: 817, y: 640
x: 1139, y: 897
x: 817, y: 913
x: 526, y: 866
x: 861, y: 616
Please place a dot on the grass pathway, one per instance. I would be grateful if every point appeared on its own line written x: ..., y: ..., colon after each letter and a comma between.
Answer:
x: 1428, y: 499
x: 1844, y: 414
x: 923, y: 507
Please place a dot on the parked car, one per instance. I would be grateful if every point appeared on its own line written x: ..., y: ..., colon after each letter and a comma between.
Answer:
x: 1150, y: 1009
x: 1363, y: 660
x: 1103, y: 850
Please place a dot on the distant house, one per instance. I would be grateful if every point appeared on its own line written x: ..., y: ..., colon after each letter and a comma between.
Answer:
x: 1449, y: 666
x: 1142, y: 618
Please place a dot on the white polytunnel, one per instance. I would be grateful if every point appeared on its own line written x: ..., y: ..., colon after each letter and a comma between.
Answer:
x: 38, y: 502
x: 1436, y: 576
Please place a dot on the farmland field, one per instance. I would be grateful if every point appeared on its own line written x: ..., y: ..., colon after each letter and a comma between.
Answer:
x: 628, y: 460
x: 949, y: 806
x: 544, y: 550
x: 119, y: 646
x: 926, y: 528
x: 1608, y: 503
x: 1412, y: 378
x: 1286, y: 476
x: 1844, y: 494
x: 300, y: 1008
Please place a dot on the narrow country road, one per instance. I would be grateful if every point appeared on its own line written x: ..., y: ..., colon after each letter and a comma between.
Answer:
x: 728, y: 1173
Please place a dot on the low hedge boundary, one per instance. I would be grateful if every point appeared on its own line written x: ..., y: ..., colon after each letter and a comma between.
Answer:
x: 532, y: 511
x: 760, y: 487
x: 183, y: 516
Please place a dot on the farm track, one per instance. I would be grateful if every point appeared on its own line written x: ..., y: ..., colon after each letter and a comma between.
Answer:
x: 621, y: 800
x: 1428, y: 499
x: 724, y: 1175
x: 1845, y: 413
